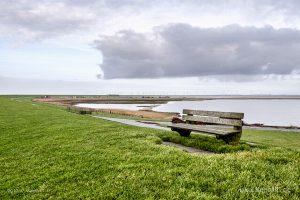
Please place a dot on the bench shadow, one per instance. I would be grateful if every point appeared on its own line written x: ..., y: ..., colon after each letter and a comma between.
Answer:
x: 204, y: 142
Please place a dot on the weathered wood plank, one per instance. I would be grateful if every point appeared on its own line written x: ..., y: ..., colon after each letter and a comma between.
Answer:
x: 199, y: 128
x: 213, y: 120
x: 230, y: 115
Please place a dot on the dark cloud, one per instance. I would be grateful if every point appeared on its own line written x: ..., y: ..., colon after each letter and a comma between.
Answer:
x: 181, y: 50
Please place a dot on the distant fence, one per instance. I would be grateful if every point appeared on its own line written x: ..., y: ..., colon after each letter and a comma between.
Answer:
x: 89, y: 111
x: 79, y: 110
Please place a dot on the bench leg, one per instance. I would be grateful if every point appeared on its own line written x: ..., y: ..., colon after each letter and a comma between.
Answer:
x: 232, y: 139
x: 182, y: 132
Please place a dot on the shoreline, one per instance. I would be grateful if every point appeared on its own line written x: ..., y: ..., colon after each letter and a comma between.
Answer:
x: 146, y: 111
x: 151, y: 99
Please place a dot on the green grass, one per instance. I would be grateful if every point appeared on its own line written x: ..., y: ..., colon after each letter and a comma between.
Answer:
x: 273, y: 138
x: 47, y: 152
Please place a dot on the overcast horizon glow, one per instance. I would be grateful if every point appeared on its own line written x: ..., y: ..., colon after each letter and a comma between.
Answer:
x: 149, y: 47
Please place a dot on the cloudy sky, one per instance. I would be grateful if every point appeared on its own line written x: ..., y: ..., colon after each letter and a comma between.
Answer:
x: 150, y: 47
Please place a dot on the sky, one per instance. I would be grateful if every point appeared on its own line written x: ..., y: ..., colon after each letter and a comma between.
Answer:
x: 176, y: 47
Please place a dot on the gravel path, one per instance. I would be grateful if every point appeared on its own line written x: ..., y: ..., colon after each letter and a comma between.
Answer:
x: 134, y: 123
x: 148, y: 124
x: 163, y: 125
x: 145, y: 124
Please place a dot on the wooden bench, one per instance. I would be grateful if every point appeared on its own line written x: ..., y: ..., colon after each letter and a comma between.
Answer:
x: 225, y: 125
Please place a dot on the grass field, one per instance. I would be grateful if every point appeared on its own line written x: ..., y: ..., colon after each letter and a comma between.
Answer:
x: 47, y: 152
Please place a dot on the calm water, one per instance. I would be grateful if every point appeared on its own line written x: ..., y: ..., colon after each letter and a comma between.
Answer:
x: 269, y: 112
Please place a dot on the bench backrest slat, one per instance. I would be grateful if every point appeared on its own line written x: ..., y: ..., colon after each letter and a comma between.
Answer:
x: 213, y: 120
x: 229, y: 115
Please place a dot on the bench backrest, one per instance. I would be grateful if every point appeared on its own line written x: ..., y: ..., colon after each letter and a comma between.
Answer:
x: 214, y: 117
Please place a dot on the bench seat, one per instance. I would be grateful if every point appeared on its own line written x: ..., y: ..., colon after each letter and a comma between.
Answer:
x: 199, y: 128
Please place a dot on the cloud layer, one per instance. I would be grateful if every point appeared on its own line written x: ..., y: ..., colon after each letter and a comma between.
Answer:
x: 32, y: 19
x: 189, y: 38
x: 181, y: 50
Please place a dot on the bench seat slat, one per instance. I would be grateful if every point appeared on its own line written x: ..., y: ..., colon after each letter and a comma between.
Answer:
x: 230, y: 115
x: 213, y: 120
x: 200, y: 128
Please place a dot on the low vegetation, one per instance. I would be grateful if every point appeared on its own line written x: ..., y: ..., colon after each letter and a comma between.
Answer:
x: 47, y: 152
x: 206, y: 143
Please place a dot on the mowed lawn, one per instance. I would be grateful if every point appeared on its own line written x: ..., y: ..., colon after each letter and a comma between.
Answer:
x: 47, y: 152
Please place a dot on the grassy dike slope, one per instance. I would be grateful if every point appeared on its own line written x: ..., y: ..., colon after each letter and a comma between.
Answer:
x: 46, y: 152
